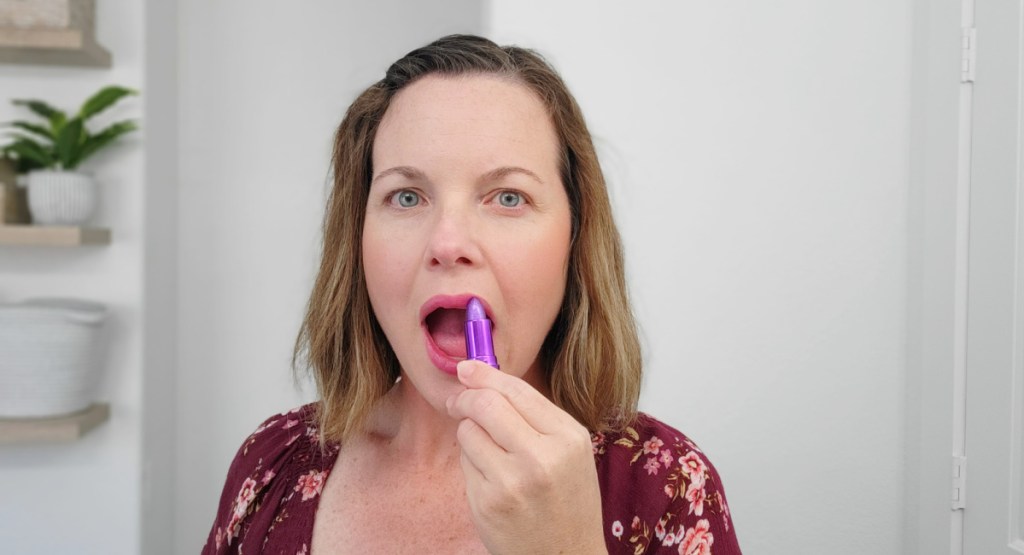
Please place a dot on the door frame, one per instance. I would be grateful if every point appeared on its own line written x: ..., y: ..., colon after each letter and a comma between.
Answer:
x: 935, y: 309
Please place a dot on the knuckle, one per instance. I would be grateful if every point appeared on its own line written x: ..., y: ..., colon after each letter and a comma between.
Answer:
x: 517, y: 390
x: 493, y: 503
x: 484, y: 400
x: 465, y: 429
x: 536, y: 477
x: 519, y: 486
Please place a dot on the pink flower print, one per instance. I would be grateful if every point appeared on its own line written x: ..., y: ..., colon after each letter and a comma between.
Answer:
x: 239, y: 508
x: 217, y: 537
x: 670, y: 490
x: 670, y: 539
x: 617, y: 529
x: 680, y: 533
x: 303, y: 551
x: 652, y: 446
x: 268, y: 476
x: 636, y: 523
x: 697, y: 540
x: 666, y: 457
x: 291, y: 423
x: 694, y: 467
x: 245, y: 496
x: 652, y: 465
x: 659, y: 529
x: 264, y: 426
x: 234, y: 528
x: 311, y: 484
x: 696, y: 495
x: 725, y: 510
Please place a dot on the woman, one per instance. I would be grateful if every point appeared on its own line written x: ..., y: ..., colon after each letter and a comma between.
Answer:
x: 468, y: 171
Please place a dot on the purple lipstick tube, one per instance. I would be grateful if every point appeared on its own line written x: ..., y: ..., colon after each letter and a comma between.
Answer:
x: 478, y: 334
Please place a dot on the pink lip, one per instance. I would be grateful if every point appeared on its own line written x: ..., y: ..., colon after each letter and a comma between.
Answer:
x: 439, y: 358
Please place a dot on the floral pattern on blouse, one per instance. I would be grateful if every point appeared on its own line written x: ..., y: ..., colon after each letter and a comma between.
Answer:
x: 688, y: 482
x: 659, y: 492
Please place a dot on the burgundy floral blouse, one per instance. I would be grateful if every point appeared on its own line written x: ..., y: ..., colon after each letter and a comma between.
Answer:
x: 659, y: 492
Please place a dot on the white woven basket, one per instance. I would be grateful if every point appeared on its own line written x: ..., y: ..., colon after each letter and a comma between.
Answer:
x: 49, y: 356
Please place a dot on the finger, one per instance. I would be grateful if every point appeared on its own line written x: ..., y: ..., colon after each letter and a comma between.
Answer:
x: 535, y: 408
x: 492, y: 411
x: 479, y: 449
x: 476, y: 482
x: 474, y: 477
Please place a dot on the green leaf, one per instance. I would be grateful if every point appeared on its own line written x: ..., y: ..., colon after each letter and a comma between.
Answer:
x: 68, y: 143
x: 27, y: 149
x: 21, y: 165
x: 53, y: 115
x: 103, y: 100
x: 57, y: 123
x: 103, y: 138
x: 40, y: 108
x: 32, y: 128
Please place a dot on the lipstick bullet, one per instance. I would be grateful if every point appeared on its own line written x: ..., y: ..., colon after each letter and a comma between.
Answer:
x: 478, y: 334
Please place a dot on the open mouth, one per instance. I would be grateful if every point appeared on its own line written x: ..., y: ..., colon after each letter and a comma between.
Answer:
x: 443, y: 319
x: 446, y: 327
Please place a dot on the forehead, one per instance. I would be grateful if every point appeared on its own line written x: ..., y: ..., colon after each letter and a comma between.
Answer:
x: 479, y: 119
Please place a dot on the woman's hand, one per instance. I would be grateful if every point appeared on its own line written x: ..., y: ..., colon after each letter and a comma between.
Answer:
x: 529, y: 467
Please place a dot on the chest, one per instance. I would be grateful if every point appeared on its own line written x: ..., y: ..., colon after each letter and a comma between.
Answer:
x: 367, y: 509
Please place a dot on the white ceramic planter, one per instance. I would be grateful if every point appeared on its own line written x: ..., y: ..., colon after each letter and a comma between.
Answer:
x: 49, y: 356
x: 61, y: 197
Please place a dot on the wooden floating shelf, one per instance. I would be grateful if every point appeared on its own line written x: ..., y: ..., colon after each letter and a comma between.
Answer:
x: 52, y: 236
x: 53, y: 428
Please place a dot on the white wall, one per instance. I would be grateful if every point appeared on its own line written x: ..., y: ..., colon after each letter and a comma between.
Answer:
x: 84, y: 496
x: 261, y: 93
x: 759, y: 154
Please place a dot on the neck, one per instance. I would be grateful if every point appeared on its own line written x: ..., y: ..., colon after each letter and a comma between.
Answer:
x: 409, y: 427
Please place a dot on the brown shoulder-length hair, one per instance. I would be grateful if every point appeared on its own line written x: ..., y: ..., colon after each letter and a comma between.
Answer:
x: 591, y: 356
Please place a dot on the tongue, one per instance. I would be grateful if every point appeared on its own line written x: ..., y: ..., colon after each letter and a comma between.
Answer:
x: 447, y: 327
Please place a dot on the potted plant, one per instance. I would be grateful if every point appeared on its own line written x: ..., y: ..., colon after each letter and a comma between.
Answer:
x: 51, y: 151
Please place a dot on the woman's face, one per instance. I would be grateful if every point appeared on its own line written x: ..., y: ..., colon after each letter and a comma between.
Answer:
x: 466, y: 200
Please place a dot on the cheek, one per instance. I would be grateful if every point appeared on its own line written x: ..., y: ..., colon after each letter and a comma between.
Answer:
x: 537, y: 272
x: 383, y: 266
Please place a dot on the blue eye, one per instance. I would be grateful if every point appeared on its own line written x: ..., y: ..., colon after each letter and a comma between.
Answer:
x: 510, y: 199
x: 406, y: 199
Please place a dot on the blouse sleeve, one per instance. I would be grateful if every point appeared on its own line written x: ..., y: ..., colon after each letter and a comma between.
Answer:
x: 661, y: 494
x: 255, y: 482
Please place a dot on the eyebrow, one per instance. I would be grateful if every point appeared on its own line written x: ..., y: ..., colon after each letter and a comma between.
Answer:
x: 407, y: 172
x: 502, y: 172
x: 412, y: 173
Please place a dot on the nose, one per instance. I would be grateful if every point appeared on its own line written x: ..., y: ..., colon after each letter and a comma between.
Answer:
x: 451, y: 242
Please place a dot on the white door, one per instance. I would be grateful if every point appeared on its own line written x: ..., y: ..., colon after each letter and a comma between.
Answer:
x: 993, y: 517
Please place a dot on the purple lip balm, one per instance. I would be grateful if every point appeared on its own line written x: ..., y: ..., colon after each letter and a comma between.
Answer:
x: 478, y: 334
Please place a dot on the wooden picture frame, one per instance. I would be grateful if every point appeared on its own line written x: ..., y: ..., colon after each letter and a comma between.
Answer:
x: 50, y: 32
